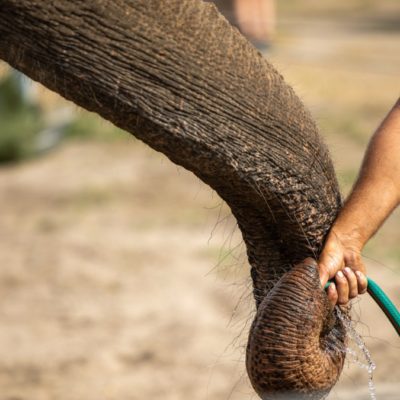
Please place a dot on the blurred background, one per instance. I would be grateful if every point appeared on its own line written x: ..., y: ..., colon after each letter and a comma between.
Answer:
x: 124, y: 277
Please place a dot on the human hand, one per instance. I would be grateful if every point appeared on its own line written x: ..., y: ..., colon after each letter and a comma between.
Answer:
x: 341, y: 259
x: 375, y: 194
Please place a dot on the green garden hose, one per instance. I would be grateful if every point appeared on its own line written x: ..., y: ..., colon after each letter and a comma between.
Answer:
x: 383, y: 302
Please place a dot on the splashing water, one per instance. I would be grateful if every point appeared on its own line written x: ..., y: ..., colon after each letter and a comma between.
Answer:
x: 354, y: 356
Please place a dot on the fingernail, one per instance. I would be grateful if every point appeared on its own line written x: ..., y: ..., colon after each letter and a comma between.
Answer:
x: 340, y: 274
x: 348, y: 270
x: 359, y: 274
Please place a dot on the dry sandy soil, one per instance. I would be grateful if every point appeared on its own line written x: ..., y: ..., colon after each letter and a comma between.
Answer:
x: 107, y: 288
x: 108, y: 285
x: 123, y: 276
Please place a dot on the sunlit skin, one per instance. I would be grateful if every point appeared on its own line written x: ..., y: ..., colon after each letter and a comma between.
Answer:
x: 374, y: 196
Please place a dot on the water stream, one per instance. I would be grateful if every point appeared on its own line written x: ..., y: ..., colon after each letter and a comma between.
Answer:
x: 358, y: 353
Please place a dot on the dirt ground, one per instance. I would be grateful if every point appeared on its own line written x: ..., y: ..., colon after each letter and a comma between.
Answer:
x: 124, y: 277
x: 111, y: 288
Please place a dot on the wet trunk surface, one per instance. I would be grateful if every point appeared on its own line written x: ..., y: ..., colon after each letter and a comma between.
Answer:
x: 177, y: 76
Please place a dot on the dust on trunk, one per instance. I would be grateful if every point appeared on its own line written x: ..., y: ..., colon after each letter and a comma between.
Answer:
x: 175, y: 74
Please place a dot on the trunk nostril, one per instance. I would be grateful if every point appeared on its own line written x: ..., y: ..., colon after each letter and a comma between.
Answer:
x: 296, y: 342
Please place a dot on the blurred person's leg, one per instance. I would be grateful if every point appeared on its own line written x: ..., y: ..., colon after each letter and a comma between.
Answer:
x: 255, y: 18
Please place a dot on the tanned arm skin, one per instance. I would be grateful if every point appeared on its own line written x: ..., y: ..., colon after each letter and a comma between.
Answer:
x: 374, y: 196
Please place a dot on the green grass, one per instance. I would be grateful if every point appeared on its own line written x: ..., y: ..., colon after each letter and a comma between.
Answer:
x: 21, y: 121
x: 89, y: 126
x: 17, y: 136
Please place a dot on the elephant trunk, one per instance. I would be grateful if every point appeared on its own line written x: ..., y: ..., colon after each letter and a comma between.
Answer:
x: 296, y: 347
x: 176, y: 75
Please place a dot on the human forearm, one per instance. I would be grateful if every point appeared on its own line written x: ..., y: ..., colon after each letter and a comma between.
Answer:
x: 377, y: 190
x: 374, y: 196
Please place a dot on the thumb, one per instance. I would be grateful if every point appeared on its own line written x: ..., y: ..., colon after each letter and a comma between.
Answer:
x: 329, y: 263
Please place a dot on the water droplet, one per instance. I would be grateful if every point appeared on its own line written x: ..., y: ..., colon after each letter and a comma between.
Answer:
x: 353, y: 356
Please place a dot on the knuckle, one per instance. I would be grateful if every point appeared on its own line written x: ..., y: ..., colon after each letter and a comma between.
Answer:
x: 341, y: 278
x: 351, y: 276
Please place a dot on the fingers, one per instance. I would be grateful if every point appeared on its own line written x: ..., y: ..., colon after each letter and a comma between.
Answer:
x: 352, y: 282
x: 342, y: 288
x: 332, y: 294
x: 348, y: 285
x: 362, y: 282
x: 343, y: 263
